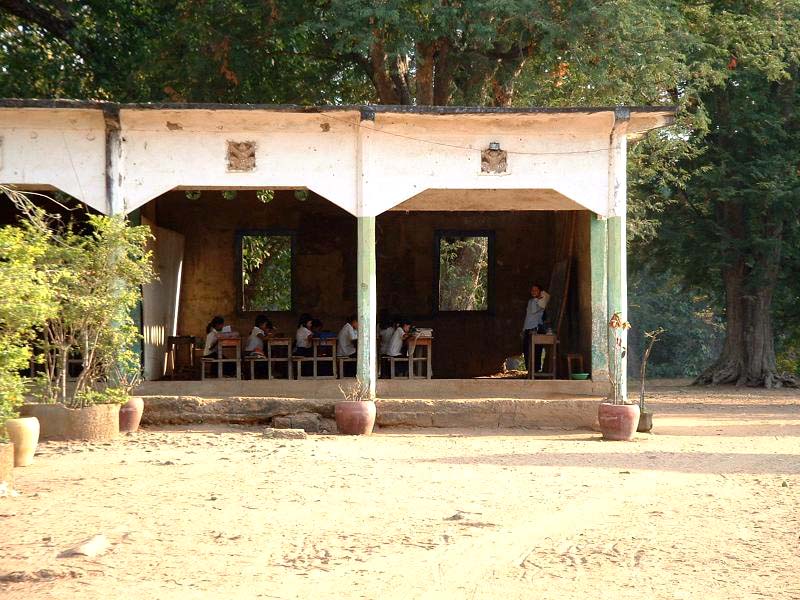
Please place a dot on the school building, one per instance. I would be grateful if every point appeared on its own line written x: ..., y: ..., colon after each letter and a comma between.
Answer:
x: 445, y: 215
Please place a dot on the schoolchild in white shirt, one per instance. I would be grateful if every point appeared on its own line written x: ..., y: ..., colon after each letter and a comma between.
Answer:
x: 397, y: 345
x: 261, y: 331
x: 212, y: 329
x: 348, y: 338
x: 303, y: 337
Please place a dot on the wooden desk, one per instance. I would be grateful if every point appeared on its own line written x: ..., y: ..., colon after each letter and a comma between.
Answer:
x: 323, y: 350
x: 414, y: 344
x: 226, y: 341
x: 414, y: 357
x: 550, y: 343
x: 274, y: 343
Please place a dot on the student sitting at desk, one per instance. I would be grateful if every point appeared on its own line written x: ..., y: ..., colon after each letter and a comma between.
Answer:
x: 347, y: 338
x: 397, y: 345
x: 388, y: 326
x: 261, y: 331
x: 212, y: 331
x: 346, y: 344
x: 303, y: 337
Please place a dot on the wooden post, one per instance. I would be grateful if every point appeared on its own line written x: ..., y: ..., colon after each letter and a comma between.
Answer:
x: 617, y: 245
x: 367, y: 301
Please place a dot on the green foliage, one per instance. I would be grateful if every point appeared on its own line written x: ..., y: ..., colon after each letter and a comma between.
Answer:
x: 266, y: 272
x: 25, y: 304
x: 463, y: 273
x: 694, y: 333
x: 93, y: 282
x: 730, y: 67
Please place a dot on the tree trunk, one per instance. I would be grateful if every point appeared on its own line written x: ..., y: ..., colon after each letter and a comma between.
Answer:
x: 424, y: 75
x: 443, y: 74
x: 380, y: 78
x: 748, y: 355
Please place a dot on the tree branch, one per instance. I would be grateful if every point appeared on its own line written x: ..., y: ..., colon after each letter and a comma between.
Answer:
x: 61, y: 25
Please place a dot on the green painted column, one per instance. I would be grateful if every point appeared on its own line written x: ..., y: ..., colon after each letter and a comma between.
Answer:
x: 598, y: 235
x: 367, y: 305
x: 617, y: 271
x: 618, y: 295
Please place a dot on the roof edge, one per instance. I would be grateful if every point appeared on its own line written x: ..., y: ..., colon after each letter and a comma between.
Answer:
x: 299, y: 108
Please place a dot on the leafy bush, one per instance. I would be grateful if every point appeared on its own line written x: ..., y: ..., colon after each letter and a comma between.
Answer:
x: 25, y: 304
x: 93, y: 280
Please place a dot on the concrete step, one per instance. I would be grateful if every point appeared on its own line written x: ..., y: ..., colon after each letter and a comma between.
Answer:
x: 560, y: 411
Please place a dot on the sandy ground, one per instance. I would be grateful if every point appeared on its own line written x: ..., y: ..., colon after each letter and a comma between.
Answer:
x: 707, y: 507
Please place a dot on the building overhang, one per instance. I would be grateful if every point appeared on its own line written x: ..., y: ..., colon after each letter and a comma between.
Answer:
x: 366, y: 159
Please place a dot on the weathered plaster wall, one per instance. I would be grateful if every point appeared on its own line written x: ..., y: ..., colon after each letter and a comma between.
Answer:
x: 466, y: 344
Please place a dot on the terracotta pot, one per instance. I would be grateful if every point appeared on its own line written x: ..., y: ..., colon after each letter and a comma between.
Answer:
x: 7, y: 464
x: 618, y: 421
x: 130, y: 415
x: 24, y: 434
x: 96, y: 422
x: 645, y: 422
x: 355, y: 418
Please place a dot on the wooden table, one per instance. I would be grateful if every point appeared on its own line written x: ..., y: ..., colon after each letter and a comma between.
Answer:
x: 319, y: 355
x: 414, y: 343
x: 549, y: 342
x: 273, y: 343
x: 226, y: 340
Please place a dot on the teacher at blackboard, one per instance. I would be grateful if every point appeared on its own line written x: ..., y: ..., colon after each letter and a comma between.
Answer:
x: 534, y: 322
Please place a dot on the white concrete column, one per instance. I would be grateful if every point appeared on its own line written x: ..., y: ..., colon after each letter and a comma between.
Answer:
x: 367, y: 365
x: 617, y: 246
x: 115, y: 203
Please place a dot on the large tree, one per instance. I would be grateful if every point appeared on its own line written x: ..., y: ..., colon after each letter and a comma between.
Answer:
x: 717, y: 193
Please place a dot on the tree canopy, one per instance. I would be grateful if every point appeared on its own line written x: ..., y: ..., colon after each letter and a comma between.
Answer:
x: 717, y: 194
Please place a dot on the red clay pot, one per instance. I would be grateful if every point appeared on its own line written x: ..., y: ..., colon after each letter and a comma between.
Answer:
x: 355, y: 418
x: 618, y: 422
x: 130, y: 415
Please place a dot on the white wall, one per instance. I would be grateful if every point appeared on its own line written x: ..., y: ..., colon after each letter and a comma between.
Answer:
x: 364, y: 166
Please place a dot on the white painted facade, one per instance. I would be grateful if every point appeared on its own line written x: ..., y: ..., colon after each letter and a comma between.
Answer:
x: 365, y: 160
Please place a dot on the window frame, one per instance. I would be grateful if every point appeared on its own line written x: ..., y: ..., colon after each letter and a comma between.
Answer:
x: 241, y: 233
x: 490, y: 271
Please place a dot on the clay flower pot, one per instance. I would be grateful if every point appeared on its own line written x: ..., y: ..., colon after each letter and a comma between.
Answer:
x: 355, y: 417
x: 24, y: 434
x: 618, y: 422
x: 95, y: 422
x: 130, y: 415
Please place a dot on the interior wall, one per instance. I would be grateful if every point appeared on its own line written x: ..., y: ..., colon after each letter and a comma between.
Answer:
x: 466, y: 344
x: 325, y: 266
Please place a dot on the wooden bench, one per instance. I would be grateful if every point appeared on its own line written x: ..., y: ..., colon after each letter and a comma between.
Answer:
x: 344, y: 359
x: 223, y: 343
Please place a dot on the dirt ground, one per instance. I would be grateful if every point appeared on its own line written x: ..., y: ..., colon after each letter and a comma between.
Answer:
x: 706, y: 507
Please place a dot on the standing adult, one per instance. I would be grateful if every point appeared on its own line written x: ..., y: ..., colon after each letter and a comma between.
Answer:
x: 534, y: 323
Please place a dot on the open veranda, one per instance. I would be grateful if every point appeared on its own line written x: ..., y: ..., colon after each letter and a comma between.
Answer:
x: 706, y: 507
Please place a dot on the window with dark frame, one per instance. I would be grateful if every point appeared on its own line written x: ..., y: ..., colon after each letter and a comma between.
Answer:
x: 265, y: 265
x: 464, y: 270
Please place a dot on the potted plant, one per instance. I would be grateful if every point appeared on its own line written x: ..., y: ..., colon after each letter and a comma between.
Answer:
x: 618, y: 419
x: 355, y: 415
x: 646, y: 416
x: 87, y: 345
